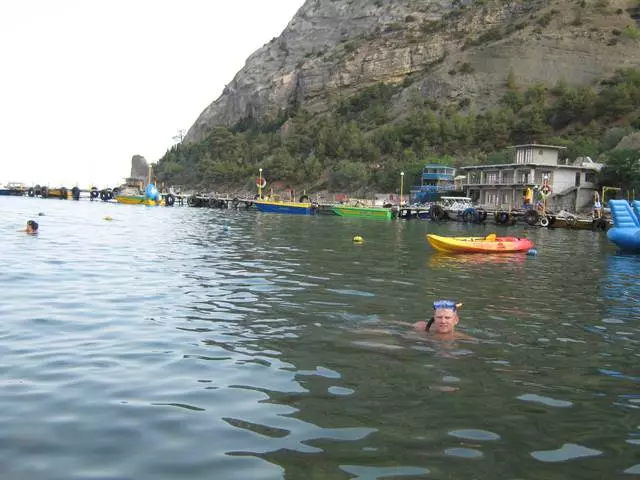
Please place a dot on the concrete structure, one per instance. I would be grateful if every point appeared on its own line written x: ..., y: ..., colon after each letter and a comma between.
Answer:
x: 503, y: 186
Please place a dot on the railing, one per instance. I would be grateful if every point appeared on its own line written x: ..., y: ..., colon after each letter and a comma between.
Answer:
x: 504, y: 181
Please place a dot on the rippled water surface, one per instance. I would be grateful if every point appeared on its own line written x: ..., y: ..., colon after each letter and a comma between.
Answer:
x: 175, y: 343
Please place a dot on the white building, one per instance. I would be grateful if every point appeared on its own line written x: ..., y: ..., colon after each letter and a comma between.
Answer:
x: 503, y: 186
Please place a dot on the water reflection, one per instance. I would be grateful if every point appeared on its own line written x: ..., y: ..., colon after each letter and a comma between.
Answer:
x: 444, y: 260
x: 621, y: 287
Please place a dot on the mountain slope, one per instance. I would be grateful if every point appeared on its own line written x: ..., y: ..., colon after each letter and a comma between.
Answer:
x: 444, y: 51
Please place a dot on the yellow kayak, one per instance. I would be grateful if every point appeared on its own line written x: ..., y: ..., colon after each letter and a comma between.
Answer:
x: 489, y: 244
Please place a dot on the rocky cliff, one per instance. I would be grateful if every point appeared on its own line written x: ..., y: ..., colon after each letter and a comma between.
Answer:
x: 447, y: 51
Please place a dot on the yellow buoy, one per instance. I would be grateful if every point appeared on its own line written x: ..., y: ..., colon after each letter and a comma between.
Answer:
x: 108, y: 218
x: 358, y: 239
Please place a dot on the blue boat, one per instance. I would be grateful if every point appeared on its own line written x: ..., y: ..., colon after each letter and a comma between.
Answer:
x: 625, y: 233
x: 13, y: 189
x: 436, y: 181
x: 290, y: 208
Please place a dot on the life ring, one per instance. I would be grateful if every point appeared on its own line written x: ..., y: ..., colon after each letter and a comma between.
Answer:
x: 115, y: 191
x: 502, y: 218
x: 212, y: 203
x: 169, y: 200
x: 94, y: 193
x: 191, y: 201
x: 303, y: 199
x: 531, y: 217
x: 470, y: 215
x: 261, y: 182
x: 436, y: 212
x: 64, y: 194
x: 544, y: 222
x: 75, y: 193
x: 571, y: 221
x: 546, y: 189
x: 44, y: 192
x: 31, y: 192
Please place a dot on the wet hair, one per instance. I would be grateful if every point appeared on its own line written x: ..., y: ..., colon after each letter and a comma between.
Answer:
x: 33, y: 225
x: 429, y: 323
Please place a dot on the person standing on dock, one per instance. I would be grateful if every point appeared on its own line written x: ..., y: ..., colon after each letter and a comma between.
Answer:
x: 597, y: 205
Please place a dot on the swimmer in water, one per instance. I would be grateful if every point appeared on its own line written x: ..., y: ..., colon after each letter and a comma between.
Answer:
x: 32, y: 227
x: 442, y: 326
x: 444, y: 320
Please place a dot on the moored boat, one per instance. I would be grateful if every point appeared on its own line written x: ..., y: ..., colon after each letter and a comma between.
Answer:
x: 132, y: 194
x: 13, y: 189
x: 291, y: 208
x: 489, y: 244
x: 366, y: 212
x: 137, y: 200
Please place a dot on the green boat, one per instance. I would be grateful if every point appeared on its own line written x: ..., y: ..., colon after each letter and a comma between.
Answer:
x: 366, y: 212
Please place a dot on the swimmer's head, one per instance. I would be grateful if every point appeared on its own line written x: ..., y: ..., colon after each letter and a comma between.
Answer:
x: 32, y: 226
x: 445, y: 316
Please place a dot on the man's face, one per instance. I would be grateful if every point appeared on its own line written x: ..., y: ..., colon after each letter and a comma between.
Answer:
x: 444, y: 320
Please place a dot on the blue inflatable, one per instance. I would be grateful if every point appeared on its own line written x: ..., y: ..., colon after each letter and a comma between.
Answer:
x: 152, y: 192
x: 626, y: 226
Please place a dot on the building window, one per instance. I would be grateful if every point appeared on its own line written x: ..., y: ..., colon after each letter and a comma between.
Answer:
x: 492, y: 177
x: 590, y: 177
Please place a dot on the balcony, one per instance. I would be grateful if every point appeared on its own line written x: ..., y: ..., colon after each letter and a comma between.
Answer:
x: 437, y: 176
x: 510, y: 181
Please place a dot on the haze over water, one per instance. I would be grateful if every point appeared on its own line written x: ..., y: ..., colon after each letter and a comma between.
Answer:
x: 162, y: 345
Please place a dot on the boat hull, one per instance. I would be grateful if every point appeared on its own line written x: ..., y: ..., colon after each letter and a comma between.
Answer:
x: 479, y: 244
x: 8, y: 192
x: 365, y: 212
x: 289, y: 208
x: 137, y: 200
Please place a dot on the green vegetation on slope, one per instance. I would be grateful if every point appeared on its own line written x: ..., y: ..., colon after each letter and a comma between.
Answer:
x: 359, y: 147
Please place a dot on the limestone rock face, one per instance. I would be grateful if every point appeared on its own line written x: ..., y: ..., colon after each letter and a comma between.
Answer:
x: 139, y: 167
x: 630, y: 142
x: 440, y: 50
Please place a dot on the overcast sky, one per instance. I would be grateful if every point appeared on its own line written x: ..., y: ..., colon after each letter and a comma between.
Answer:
x: 87, y: 84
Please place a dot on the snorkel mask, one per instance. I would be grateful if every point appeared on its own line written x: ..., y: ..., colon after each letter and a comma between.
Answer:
x: 447, y: 304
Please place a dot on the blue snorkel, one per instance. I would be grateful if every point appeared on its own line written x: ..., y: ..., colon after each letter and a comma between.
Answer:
x: 447, y: 304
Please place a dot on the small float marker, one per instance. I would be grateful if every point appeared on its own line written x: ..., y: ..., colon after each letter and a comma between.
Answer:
x: 358, y: 239
x: 532, y: 252
x: 225, y: 229
x: 108, y: 218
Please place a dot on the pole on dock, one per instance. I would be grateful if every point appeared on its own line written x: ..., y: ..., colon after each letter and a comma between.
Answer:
x: 260, y: 184
x: 401, y: 190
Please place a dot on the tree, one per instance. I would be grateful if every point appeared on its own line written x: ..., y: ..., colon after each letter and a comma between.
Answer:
x: 622, y: 170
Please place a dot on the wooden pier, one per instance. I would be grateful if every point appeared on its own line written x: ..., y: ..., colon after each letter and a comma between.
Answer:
x: 502, y: 217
